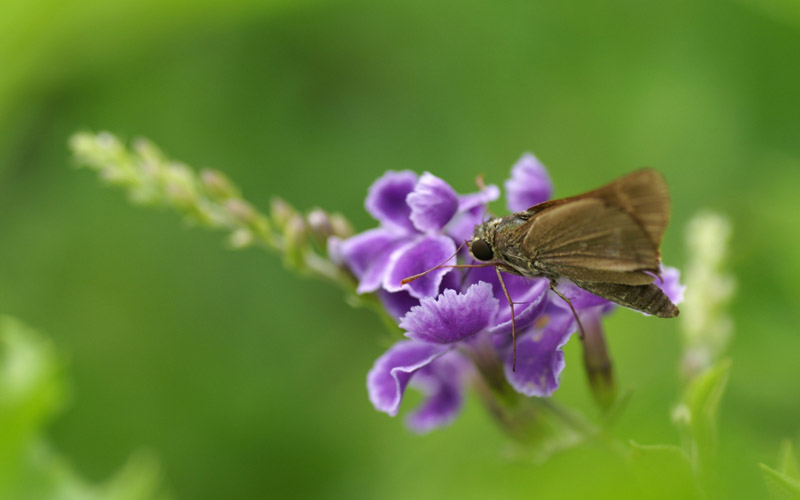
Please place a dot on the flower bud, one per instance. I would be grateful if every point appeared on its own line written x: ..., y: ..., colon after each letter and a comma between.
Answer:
x: 217, y: 185
x: 241, y: 238
x: 296, y: 232
x: 296, y: 238
x: 320, y: 224
x: 280, y: 211
x: 147, y: 151
x: 179, y: 186
x: 241, y: 211
x: 341, y: 226
x: 596, y: 360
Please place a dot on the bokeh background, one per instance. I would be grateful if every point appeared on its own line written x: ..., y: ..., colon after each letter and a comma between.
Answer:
x: 248, y: 382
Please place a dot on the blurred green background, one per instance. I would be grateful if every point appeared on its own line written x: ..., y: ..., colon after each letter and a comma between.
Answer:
x: 247, y: 382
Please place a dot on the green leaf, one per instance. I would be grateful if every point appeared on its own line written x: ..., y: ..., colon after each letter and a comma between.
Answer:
x: 32, y: 390
x: 31, y: 387
x: 787, y: 460
x: 781, y: 486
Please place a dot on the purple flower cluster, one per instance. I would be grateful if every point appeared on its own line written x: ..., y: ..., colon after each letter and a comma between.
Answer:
x: 453, y: 316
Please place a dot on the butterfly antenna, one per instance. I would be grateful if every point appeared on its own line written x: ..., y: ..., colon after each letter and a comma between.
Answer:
x: 513, y: 320
x: 440, y: 266
x: 569, y: 303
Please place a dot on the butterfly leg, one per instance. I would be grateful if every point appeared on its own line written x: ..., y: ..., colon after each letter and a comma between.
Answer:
x: 569, y: 303
x: 513, y: 320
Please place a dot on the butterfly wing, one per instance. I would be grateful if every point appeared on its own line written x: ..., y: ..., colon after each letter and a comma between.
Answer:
x: 590, y: 239
x: 641, y: 194
x: 645, y: 298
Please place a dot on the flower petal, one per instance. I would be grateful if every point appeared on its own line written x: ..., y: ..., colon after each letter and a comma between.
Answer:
x: 525, y: 291
x: 386, y: 199
x: 367, y: 255
x: 397, y: 303
x: 452, y: 316
x: 415, y: 257
x: 529, y: 184
x: 540, y: 359
x: 443, y: 384
x: 389, y: 376
x: 433, y: 203
x: 671, y: 284
x: 529, y: 309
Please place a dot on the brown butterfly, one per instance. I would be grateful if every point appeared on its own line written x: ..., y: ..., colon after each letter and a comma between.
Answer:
x: 605, y: 241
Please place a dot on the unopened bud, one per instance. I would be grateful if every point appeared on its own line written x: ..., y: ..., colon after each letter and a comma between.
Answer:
x: 296, y: 238
x: 178, y: 195
x: 320, y: 224
x: 296, y: 232
x: 281, y: 212
x: 109, y: 143
x: 217, y: 185
x: 341, y: 226
x: 596, y: 360
x: 241, y: 238
x: 82, y: 144
x: 241, y: 211
x: 149, y: 155
x: 179, y: 185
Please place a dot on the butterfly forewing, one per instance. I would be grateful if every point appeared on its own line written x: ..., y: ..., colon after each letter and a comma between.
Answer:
x: 642, y: 195
x: 589, y: 239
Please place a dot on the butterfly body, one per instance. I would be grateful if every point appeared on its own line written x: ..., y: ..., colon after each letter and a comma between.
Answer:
x: 605, y: 241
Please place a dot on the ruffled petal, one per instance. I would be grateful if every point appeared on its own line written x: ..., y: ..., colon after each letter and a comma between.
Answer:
x: 452, y: 317
x: 367, y: 255
x: 529, y: 184
x: 433, y: 203
x: 523, y: 290
x: 671, y: 284
x: 386, y: 199
x: 527, y: 309
x: 540, y: 359
x: 399, y: 303
x: 442, y: 382
x: 415, y: 257
x: 389, y: 376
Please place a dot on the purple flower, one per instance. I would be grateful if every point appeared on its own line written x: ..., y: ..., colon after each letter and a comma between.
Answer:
x: 422, y: 221
x: 540, y: 358
x: 436, y: 328
x: 670, y: 284
x: 529, y: 184
x: 437, y: 371
x: 450, y: 316
x: 441, y: 331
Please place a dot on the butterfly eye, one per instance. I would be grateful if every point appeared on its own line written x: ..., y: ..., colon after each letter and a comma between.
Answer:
x: 481, y: 250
